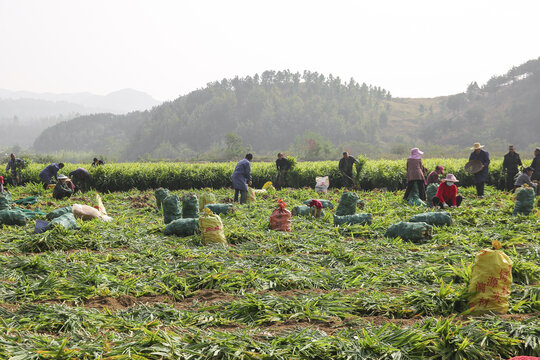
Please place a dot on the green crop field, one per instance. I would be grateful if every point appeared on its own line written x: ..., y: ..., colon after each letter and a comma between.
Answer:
x: 123, y: 290
x: 390, y: 174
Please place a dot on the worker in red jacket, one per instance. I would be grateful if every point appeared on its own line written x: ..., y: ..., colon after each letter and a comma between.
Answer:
x: 447, y: 193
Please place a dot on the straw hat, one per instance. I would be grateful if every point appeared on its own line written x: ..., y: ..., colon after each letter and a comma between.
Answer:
x: 450, y: 177
x: 477, y: 146
x: 62, y: 177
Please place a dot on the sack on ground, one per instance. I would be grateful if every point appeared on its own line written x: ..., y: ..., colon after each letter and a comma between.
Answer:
x: 347, y: 204
x: 412, y: 231
x: 431, y: 191
x: 182, y: 227
x: 439, y: 218
x: 321, y: 184
x: 190, y: 206
x: 212, y: 228
x: 205, y: 199
x: 59, y: 212
x: 12, y: 217
x: 524, y: 201
x: 491, y: 279
x: 268, y: 186
x: 300, y: 210
x: 66, y: 221
x: 220, y: 208
x: 160, y: 195
x: 325, y: 203
x: 414, y: 198
x: 30, y: 200
x: 171, y: 208
x: 280, y: 219
x: 360, y: 219
x: 251, y: 196
x: 5, y: 201
x: 31, y: 214
x: 87, y: 213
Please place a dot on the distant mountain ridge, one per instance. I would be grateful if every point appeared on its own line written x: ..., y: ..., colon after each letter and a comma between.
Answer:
x: 314, y: 117
x: 118, y: 102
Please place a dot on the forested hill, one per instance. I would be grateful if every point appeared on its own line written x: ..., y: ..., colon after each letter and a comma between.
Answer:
x: 314, y: 117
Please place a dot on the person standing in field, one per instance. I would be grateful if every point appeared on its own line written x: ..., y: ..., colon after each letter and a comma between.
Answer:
x: 536, y: 165
x: 433, y: 177
x: 241, y: 177
x: 480, y: 177
x: 510, y: 167
x: 283, y: 165
x: 15, y: 165
x: 346, y: 168
x: 415, y: 174
x: 49, y: 172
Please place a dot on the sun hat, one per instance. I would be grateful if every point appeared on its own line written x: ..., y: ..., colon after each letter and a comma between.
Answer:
x: 416, y: 153
x: 451, y: 178
x: 62, y: 177
x: 477, y: 146
x: 440, y: 168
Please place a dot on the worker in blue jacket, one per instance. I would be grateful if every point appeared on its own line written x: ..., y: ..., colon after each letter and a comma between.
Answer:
x: 241, y: 177
x: 49, y: 172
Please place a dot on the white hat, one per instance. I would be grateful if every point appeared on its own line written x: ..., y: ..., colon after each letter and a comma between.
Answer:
x: 477, y: 146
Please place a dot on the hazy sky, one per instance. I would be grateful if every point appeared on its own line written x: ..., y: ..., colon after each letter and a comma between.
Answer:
x: 169, y: 48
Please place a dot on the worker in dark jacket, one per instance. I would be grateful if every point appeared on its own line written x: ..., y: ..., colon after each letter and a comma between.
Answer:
x: 536, y: 165
x: 49, y: 172
x: 64, y: 187
x: 346, y: 168
x: 283, y: 165
x: 525, y: 178
x: 82, y: 179
x: 510, y: 167
x: 15, y: 165
x: 241, y: 177
x: 433, y: 177
x: 480, y: 177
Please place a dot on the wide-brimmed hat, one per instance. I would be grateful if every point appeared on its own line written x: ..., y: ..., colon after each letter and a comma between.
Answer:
x: 416, y: 151
x: 62, y: 177
x: 477, y: 146
x: 451, y: 178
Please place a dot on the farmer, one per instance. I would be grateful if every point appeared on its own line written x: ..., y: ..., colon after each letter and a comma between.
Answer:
x: 97, y: 162
x: 480, y: 177
x: 415, y: 174
x: 536, y: 165
x: 64, y: 187
x: 283, y: 165
x: 82, y: 179
x: 525, y: 178
x: 433, y: 177
x: 447, y: 193
x: 240, y: 177
x: 49, y: 172
x: 15, y: 165
x: 345, y: 167
x: 510, y: 167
